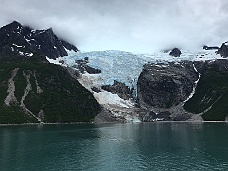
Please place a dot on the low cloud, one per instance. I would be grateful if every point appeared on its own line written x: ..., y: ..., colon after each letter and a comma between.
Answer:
x: 138, y: 26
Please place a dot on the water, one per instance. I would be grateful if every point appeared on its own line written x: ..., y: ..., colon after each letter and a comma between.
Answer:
x: 115, y: 147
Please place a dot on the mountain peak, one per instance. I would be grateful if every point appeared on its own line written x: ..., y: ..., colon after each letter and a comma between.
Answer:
x: 22, y: 40
x: 49, y: 30
x: 14, y: 24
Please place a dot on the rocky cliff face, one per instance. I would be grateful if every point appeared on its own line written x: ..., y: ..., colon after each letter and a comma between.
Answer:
x: 184, y: 91
x: 223, y: 50
x: 211, y: 95
x: 120, y: 89
x: 165, y: 85
x: 163, y: 88
x: 22, y: 40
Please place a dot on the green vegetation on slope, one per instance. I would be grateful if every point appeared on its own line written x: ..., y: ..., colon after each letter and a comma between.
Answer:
x: 211, y: 94
x: 62, y: 99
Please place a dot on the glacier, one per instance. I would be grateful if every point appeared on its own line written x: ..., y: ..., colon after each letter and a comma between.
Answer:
x: 124, y: 67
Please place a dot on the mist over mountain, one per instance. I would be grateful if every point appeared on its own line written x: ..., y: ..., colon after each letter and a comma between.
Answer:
x: 106, y: 86
x: 136, y: 26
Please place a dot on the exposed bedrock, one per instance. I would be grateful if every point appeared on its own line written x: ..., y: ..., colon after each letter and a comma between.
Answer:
x: 188, y: 91
x: 120, y: 89
x: 223, y: 50
x: 165, y: 85
x: 175, y: 52
x: 163, y: 88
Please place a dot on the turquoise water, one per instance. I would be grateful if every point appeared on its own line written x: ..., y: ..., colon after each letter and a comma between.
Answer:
x: 147, y: 146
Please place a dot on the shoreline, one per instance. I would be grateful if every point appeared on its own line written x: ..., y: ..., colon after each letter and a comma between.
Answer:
x: 29, y: 124
x: 76, y: 123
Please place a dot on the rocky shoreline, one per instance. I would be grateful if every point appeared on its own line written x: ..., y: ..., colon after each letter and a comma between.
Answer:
x: 75, y: 123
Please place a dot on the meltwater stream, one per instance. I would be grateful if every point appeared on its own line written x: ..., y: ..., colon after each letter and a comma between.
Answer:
x: 115, y: 147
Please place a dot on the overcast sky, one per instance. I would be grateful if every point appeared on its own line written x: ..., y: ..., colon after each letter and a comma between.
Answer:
x: 130, y: 25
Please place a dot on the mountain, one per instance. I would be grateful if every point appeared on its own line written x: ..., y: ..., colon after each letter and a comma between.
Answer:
x: 150, y: 87
x: 211, y: 94
x: 107, y: 86
x: 22, y: 40
x: 32, y: 90
x: 186, y: 89
x: 165, y: 85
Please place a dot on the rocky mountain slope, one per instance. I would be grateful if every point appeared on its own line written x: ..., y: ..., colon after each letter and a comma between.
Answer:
x: 25, y: 41
x: 166, y: 85
x: 33, y: 90
x: 211, y: 95
x: 185, y: 90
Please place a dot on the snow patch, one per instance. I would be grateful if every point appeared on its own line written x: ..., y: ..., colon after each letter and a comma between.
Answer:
x: 107, y: 98
x: 70, y: 52
x: 90, y: 80
x: 57, y: 61
x: 194, y: 87
x: 29, y: 54
x: 17, y: 45
x: 21, y: 53
x: 25, y: 54
x: 40, y: 31
x: 27, y: 40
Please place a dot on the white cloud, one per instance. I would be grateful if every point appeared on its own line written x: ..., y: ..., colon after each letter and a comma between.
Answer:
x: 130, y: 25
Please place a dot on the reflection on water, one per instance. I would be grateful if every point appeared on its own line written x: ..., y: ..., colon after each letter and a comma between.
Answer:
x: 145, y: 146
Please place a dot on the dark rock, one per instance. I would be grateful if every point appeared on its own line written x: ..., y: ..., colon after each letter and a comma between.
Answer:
x: 223, y: 50
x: 74, y: 73
x: 165, y: 85
x: 183, y: 117
x: 211, y: 94
x: 15, y: 38
x: 69, y: 46
x: 210, y: 47
x: 83, y: 67
x: 81, y: 62
x: 149, y: 116
x: 175, y: 52
x: 61, y: 61
x: 106, y: 116
x: 95, y: 89
x: 120, y: 89
x: 92, y: 70
x: 165, y: 116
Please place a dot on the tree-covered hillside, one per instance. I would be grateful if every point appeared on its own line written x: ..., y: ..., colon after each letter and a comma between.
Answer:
x: 34, y: 91
x: 211, y: 96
